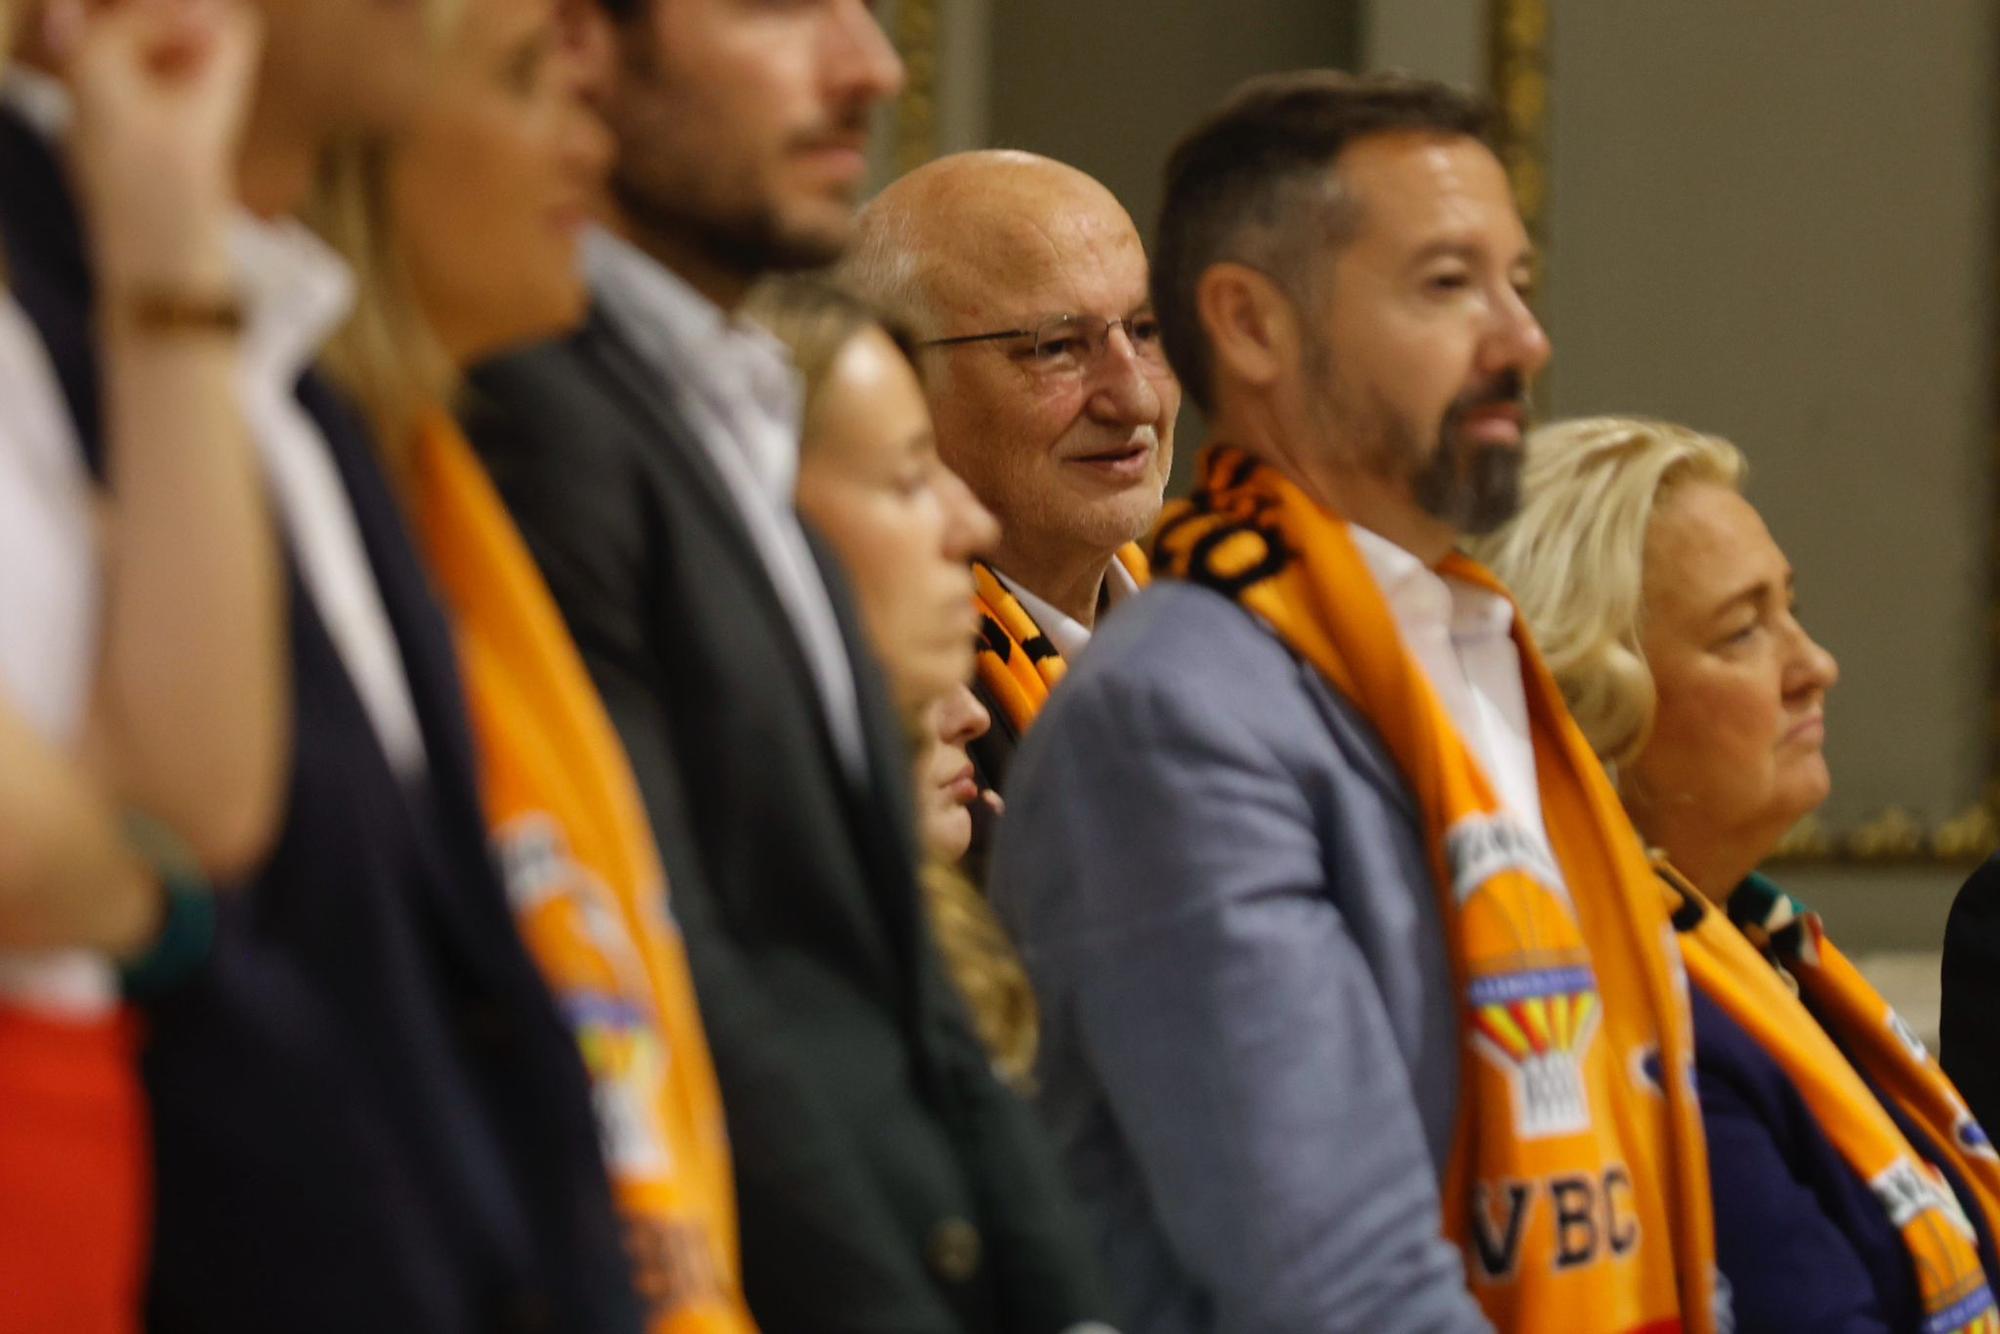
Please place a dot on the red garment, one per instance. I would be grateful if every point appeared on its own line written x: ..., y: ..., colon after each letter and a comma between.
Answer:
x: 75, y: 1179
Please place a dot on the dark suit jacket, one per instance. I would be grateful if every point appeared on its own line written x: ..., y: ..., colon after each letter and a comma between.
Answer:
x: 1969, y: 1021
x: 887, y: 1181
x: 367, y: 1112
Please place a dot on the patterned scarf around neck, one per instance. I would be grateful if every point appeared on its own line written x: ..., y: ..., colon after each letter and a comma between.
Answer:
x: 1577, y: 1186
x: 1734, y: 966
x: 589, y: 895
x: 1018, y: 664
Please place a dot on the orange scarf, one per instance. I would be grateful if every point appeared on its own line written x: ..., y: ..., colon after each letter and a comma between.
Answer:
x: 1577, y: 1187
x: 1018, y: 665
x: 589, y: 894
x: 1726, y: 963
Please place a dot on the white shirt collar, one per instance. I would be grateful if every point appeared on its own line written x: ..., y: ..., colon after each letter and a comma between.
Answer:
x: 40, y: 99
x: 1068, y: 634
x: 1419, y: 594
x: 740, y: 371
x: 297, y: 291
x: 1459, y: 636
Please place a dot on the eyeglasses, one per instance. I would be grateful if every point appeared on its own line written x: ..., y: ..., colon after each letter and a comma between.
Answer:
x: 1070, y: 344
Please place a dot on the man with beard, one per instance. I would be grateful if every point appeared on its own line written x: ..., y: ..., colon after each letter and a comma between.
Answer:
x: 1355, y: 982
x: 1026, y: 281
x: 886, y: 1180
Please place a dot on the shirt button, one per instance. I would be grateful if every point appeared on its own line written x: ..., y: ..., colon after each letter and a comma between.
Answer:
x: 953, y: 1250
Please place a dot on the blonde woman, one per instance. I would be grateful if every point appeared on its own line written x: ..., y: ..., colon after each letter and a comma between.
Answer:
x: 905, y: 528
x: 466, y: 235
x: 1852, y: 1189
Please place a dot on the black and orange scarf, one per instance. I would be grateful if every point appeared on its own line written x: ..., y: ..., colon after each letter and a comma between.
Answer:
x: 1018, y: 664
x: 1577, y: 1187
x: 1738, y: 967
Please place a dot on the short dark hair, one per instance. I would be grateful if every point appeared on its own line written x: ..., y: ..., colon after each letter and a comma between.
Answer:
x: 1251, y: 183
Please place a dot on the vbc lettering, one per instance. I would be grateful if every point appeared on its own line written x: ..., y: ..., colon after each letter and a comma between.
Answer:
x: 1589, y: 1217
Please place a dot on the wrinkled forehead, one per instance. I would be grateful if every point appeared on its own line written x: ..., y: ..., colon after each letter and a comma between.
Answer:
x: 1017, y: 256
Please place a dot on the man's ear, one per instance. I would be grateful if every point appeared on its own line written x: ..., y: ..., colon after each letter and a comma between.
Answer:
x: 1253, y: 331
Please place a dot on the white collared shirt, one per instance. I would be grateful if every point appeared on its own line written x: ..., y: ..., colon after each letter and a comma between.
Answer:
x: 1068, y: 634
x: 1461, y: 636
x: 297, y: 292
x: 48, y: 547
x: 743, y: 398
x: 49, y: 605
x: 49, y: 578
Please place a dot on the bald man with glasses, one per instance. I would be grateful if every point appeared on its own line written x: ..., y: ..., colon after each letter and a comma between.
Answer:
x: 1050, y: 390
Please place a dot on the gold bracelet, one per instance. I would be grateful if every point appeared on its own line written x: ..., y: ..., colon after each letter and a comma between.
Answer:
x: 157, y: 311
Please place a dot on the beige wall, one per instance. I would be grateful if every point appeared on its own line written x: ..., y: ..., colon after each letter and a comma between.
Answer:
x: 1775, y: 221
x: 1440, y: 39
x: 1108, y: 85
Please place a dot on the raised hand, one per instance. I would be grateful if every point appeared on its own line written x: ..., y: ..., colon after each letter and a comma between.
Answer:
x: 161, y: 88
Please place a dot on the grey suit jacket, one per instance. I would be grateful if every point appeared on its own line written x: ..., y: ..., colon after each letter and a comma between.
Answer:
x: 1218, y: 881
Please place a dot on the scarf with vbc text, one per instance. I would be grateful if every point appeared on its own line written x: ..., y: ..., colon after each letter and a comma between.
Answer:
x: 584, y: 876
x: 1577, y: 1186
x: 1734, y: 966
x: 1018, y: 664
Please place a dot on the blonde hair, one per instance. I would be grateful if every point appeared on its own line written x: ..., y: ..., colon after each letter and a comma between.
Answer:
x: 816, y: 318
x: 987, y: 971
x: 1574, y: 558
x: 387, y: 356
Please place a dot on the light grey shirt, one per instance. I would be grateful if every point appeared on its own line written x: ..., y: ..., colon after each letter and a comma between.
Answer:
x: 742, y: 396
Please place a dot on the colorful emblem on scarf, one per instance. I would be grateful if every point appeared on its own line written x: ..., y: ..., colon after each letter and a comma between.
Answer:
x: 1533, y: 996
x: 1957, y: 1300
x: 619, y: 1039
x: 1536, y: 1023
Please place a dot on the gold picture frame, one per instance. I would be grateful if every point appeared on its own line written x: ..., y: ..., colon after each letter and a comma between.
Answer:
x: 914, y: 29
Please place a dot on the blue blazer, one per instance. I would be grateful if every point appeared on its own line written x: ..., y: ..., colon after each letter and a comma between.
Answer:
x: 1800, y: 1238
x: 367, y: 1112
